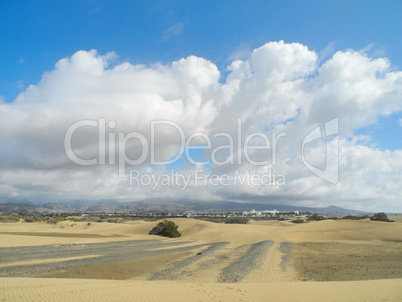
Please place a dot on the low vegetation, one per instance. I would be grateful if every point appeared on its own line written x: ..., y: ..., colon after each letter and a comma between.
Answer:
x: 298, y: 221
x: 9, y: 218
x: 351, y: 217
x: 333, y: 218
x: 238, y: 220
x: 121, y: 218
x: 380, y: 217
x: 316, y: 217
x: 166, y: 228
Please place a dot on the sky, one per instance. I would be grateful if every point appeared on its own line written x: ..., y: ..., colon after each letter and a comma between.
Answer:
x: 292, y: 102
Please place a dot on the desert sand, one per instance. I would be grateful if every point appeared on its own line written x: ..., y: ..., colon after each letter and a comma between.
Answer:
x: 333, y: 260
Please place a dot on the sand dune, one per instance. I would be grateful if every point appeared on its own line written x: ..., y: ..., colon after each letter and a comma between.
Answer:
x: 208, y: 262
x: 202, y: 230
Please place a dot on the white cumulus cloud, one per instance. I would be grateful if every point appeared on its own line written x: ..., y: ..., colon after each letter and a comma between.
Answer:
x: 278, y: 89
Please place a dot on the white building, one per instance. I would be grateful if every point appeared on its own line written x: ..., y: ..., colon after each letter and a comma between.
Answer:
x: 255, y: 213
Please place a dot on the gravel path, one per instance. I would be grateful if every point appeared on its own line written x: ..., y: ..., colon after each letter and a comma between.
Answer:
x: 286, y: 249
x: 175, y: 270
x: 236, y: 271
x: 109, y: 252
x: 128, y: 250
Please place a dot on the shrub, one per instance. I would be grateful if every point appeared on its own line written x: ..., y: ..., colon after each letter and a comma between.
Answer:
x: 333, y: 218
x: 298, y: 221
x: 316, y: 217
x: 9, y: 218
x: 239, y: 220
x: 355, y: 217
x: 166, y: 228
x: 380, y: 217
x: 54, y: 220
x: 28, y: 219
x: 31, y: 218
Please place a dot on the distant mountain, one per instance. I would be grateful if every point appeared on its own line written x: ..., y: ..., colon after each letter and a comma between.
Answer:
x: 30, y: 208
x: 157, y: 206
x: 235, y: 206
x: 334, y: 209
x: 16, y: 208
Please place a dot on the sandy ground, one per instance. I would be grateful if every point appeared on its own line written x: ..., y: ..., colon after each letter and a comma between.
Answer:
x: 359, y: 260
x: 19, y: 289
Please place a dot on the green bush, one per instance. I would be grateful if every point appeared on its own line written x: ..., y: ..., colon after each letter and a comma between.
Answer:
x: 9, y: 218
x: 380, y: 217
x: 29, y: 218
x: 333, y: 218
x: 351, y: 217
x: 54, y: 220
x: 239, y: 220
x: 298, y: 221
x: 166, y: 228
x: 316, y: 217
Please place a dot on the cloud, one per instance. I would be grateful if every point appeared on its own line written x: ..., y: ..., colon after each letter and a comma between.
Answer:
x: 241, y: 52
x: 327, y: 52
x: 278, y: 89
x: 173, y: 31
x: 20, y: 84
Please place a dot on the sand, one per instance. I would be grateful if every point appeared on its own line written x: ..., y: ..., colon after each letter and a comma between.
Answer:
x: 20, y: 289
x: 358, y: 260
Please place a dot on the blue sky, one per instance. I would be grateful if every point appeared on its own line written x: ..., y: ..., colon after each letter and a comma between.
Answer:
x: 36, y: 34
x: 342, y: 37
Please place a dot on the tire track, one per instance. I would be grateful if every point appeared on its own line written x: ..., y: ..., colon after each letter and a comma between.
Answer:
x: 176, y: 270
x: 106, y: 253
x: 286, y: 249
x: 239, y: 269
